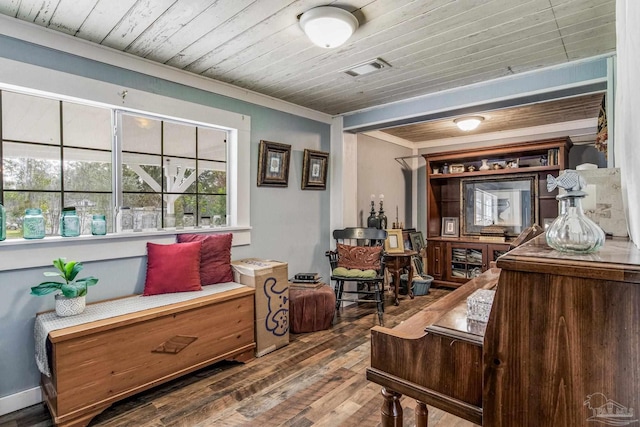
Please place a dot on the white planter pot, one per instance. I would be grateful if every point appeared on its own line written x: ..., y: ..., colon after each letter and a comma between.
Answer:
x: 69, y: 306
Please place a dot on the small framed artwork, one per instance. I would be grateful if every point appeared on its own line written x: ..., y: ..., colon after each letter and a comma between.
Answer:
x: 314, y: 170
x: 273, y: 164
x: 393, y: 244
x: 450, y: 226
x: 417, y: 241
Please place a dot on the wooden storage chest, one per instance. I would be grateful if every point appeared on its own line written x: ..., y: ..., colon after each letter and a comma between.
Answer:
x: 98, y: 363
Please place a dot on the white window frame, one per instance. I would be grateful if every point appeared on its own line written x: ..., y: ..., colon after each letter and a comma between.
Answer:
x: 21, y: 77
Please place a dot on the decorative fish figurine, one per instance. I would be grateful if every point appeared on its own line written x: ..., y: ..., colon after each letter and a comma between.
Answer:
x: 570, y: 180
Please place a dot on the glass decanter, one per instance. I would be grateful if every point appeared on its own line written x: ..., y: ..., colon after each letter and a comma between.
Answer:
x: 572, y: 231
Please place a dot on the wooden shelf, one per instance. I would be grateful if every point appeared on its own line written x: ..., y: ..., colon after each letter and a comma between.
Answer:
x: 507, y: 171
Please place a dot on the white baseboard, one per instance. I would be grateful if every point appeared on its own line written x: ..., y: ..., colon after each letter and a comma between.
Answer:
x: 20, y: 400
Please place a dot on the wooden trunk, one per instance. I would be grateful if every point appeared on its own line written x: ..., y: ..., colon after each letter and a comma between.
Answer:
x: 98, y: 363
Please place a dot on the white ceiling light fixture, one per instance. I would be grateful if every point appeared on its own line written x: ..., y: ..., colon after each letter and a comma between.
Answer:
x: 468, y: 123
x: 328, y: 26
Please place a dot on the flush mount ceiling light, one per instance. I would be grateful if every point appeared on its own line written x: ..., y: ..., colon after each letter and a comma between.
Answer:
x: 328, y: 26
x: 468, y: 123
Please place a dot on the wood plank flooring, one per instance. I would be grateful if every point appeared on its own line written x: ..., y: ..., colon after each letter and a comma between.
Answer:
x: 317, y: 380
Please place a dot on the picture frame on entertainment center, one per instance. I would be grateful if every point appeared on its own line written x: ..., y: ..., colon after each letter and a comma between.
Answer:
x: 450, y: 226
x: 510, y: 203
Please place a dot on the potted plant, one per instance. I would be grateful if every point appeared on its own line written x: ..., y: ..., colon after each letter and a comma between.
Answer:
x: 72, y: 299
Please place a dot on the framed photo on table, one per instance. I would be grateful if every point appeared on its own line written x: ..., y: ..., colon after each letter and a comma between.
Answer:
x: 273, y: 164
x: 417, y: 241
x: 394, y: 244
x: 450, y: 226
x: 314, y: 170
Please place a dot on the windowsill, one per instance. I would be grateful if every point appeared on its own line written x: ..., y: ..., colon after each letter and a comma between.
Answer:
x: 24, y: 253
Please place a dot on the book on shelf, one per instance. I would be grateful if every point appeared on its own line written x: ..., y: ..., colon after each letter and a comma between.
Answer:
x: 496, y: 239
x: 294, y: 279
x: 306, y: 276
x: 299, y: 285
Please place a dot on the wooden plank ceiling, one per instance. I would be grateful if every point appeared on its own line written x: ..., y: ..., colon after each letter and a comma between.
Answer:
x: 257, y: 44
x: 564, y: 110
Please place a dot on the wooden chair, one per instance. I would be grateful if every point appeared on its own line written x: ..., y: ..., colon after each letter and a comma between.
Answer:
x: 362, y: 249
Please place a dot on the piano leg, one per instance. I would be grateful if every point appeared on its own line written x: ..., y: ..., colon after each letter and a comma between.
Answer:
x: 391, y: 411
x: 422, y: 414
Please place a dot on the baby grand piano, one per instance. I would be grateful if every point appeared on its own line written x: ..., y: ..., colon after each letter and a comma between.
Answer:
x: 561, y: 348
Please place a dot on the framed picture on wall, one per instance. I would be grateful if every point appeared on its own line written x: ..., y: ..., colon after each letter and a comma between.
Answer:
x: 273, y: 164
x: 314, y: 170
x: 450, y: 226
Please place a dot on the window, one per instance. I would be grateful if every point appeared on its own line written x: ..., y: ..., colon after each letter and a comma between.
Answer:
x: 57, y: 153
x: 176, y: 169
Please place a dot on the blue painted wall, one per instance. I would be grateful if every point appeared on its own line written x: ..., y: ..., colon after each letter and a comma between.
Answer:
x: 288, y: 224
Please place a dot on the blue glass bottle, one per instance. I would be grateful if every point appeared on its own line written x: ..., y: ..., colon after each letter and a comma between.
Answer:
x: 3, y: 223
x: 69, y: 222
x: 99, y: 225
x: 33, y: 224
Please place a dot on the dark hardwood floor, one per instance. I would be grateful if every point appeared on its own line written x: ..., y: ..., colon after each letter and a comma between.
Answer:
x: 317, y: 380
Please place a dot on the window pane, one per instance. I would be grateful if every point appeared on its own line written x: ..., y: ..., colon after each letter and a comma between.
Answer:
x: 86, y: 126
x: 212, y: 144
x: 142, y: 200
x: 141, y: 134
x: 87, y: 170
x: 30, y: 118
x: 30, y: 167
x: 16, y: 202
x: 180, y: 175
x: 181, y: 204
x: 179, y: 140
x: 89, y: 204
x: 215, y: 207
x: 141, y: 172
x: 212, y: 177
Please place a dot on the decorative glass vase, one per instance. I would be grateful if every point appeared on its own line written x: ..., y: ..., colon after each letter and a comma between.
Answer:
x: 572, y: 231
x: 149, y: 220
x: 33, y: 224
x: 124, y: 220
x: 99, y: 225
x: 485, y: 165
x: 69, y: 222
x: 188, y: 220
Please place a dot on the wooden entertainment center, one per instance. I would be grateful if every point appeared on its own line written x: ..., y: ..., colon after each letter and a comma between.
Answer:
x: 452, y: 261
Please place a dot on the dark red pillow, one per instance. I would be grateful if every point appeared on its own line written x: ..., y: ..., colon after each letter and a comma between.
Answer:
x: 360, y: 257
x: 172, y: 268
x: 215, y: 263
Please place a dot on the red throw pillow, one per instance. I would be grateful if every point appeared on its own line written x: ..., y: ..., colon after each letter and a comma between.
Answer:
x: 215, y: 264
x: 360, y: 257
x: 172, y: 268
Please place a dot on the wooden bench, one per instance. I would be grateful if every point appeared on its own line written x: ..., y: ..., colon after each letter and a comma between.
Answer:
x: 98, y: 363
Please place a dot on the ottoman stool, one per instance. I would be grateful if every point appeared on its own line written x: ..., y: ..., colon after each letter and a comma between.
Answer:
x: 311, y: 310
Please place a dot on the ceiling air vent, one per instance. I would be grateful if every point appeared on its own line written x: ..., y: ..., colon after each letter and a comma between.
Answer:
x: 367, y: 67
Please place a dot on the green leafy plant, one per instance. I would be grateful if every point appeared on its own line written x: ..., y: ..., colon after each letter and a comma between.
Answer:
x: 72, y: 287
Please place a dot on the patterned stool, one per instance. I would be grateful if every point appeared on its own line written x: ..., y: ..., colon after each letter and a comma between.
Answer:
x: 311, y: 310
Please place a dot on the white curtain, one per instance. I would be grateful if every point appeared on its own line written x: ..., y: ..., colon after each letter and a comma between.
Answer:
x: 627, y: 109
